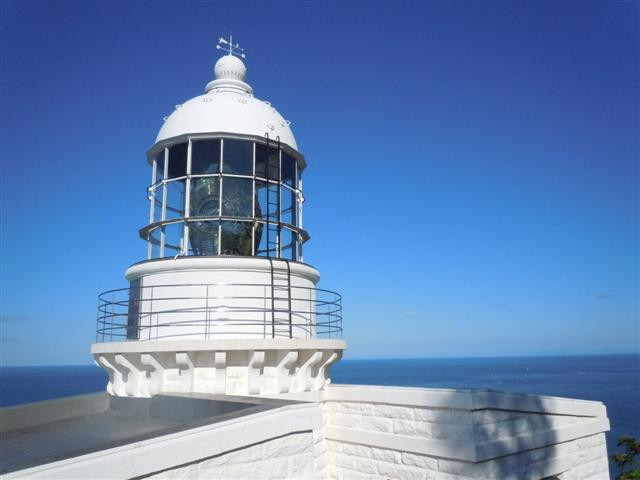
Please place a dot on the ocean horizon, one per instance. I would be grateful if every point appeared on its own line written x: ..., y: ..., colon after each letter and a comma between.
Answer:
x: 612, y: 379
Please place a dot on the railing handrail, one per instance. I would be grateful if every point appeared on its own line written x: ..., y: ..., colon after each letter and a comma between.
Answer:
x: 311, y: 312
x: 124, y: 289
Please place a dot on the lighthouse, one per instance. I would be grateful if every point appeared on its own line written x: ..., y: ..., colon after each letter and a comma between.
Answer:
x: 219, y: 349
x: 224, y: 302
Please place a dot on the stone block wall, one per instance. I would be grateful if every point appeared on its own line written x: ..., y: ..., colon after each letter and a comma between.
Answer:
x: 384, y: 433
x: 583, y: 459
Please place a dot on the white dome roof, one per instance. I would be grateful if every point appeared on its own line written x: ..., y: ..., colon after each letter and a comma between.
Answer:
x: 228, y: 106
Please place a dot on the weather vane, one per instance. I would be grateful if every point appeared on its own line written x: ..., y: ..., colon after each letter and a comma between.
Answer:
x: 229, y: 47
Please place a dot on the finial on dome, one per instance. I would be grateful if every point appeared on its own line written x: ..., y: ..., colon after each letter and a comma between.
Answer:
x: 229, y: 47
x: 230, y: 70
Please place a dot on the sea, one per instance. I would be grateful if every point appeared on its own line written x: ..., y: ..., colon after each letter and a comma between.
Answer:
x: 611, y: 379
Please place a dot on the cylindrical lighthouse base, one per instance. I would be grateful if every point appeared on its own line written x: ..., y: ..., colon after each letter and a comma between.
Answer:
x: 222, y: 297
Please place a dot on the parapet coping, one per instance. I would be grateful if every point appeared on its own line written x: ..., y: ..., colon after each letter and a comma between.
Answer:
x: 591, y: 414
x: 465, y: 399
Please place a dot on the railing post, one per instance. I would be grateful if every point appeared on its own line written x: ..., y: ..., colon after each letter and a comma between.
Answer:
x: 150, y: 313
x: 98, y: 320
x: 207, y: 327
x: 113, y: 297
x: 310, y: 314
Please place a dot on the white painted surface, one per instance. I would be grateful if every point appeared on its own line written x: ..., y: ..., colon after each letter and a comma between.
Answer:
x: 354, y: 432
x: 284, y: 457
x: 224, y: 297
x: 229, y: 345
x: 580, y: 459
x: 393, y: 432
x: 232, y: 366
x: 465, y: 399
x: 230, y: 67
x: 206, y: 325
x: 228, y: 106
x: 218, y: 264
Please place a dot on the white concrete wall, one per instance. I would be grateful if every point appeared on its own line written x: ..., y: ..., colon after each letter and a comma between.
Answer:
x: 409, y: 433
x: 224, y: 297
x: 291, y: 456
x: 356, y: 432
x: 580, y: 459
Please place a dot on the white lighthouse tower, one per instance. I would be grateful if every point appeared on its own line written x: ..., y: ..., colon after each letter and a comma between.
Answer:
x: 224, y: 302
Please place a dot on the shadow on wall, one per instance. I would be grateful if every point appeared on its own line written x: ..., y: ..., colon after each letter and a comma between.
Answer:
x: 471, y: 433
x: 540, y: 437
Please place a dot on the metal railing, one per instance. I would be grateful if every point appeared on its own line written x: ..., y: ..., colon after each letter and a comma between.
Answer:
x: 205, y: 311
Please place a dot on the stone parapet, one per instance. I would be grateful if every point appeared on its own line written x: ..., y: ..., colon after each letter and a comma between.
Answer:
x: 392, y: 432
x: 361, y: 432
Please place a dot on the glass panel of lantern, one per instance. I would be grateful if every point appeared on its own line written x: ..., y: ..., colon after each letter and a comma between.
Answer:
x: 175, y: 199
x: 288, y: 170
x: 236, y: 238
x: 177, y: 160
x: 258, y: 230
x: 266, y: 239
x: 157, y: 202
x: 274, y: 164
x: 288, y: 206
x: 159, y: 159
x: 271, y: 234
x: 237, y: 194
x: 288, y: 239
x: 261, y: 160
x: 203, y: 237
x: 261, y: 199
x: 272, y: 202
x: 172, y: 239
x: 156, y: 190
x: 204, y: 198
x: 154, y: 238
x: 237, y: 157
x: 267, y: 162
x: 205, y: 157
x: 260, y: 233
x: 267, y: 201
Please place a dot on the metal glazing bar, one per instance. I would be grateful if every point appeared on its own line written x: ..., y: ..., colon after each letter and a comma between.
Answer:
x: 289, y: 295
x: 267, y: 213
x: 208, y: 314
x: 219, y: 242
x: 279, y: 241
x: 273, y: 298
x: 152, y: 203
x: 253, y: 202
x: 187, y: 202
x: 165, y: 174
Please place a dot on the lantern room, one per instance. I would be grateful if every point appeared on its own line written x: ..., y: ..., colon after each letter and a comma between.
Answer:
x: 224, y: 194
x: 226, y: 176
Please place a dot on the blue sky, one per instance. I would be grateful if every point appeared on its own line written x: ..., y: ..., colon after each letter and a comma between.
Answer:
x: 472, y: 186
